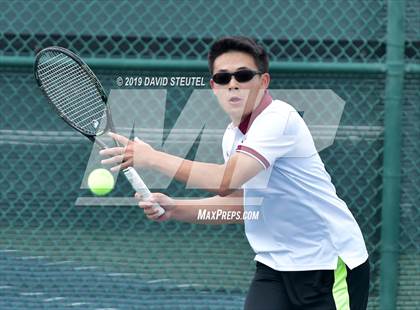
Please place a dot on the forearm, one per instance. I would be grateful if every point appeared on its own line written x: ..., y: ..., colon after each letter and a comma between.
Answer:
x: 214, y: 210
x: 221, y: 179
x: 196, y: 174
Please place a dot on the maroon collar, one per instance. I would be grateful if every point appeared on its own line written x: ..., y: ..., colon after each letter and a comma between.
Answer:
x: 247, y: 121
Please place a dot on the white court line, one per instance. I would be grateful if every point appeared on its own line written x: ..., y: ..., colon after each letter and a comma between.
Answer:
x: 32, y: 294
x: 33, y: 257
x: 75, y: 304
x: 86, y: 268
x: 159, y: 280
x: 59, y: 263
x: 53, y: 299
x: 8, y: 251
x: 116, y: 274
x: 5, y: 287
x: 188, y: 285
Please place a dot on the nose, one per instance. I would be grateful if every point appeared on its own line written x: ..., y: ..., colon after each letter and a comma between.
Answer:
x: 233, y: 84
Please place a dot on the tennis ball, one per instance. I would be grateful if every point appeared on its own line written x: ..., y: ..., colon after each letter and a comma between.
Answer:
x: 100, y: 182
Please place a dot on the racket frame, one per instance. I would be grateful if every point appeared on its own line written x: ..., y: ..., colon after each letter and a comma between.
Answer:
x: 130, y: 173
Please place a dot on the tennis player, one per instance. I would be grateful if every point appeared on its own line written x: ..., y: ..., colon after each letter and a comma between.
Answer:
x: 310, y: 252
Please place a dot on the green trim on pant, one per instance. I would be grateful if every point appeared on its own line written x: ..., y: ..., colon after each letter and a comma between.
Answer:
x: 340, y: 289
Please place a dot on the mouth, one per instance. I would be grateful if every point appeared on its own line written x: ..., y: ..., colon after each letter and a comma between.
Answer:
x: 235, y: 100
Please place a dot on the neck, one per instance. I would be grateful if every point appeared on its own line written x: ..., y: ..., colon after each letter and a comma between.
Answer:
x: 235, y: 121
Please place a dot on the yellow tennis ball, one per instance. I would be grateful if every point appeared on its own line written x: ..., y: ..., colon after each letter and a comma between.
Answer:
x: 100, y: 182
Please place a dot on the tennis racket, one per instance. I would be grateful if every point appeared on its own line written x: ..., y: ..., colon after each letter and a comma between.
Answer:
x: 80, y: 100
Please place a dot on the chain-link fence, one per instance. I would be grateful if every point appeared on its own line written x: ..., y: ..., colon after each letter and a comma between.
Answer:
x: 56, y: 254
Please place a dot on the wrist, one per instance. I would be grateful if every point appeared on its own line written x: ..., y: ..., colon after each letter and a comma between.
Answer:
x: 176, y: 208
x: 153, y: 160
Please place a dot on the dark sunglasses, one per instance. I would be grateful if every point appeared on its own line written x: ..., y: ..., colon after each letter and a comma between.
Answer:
x: 241, y: 76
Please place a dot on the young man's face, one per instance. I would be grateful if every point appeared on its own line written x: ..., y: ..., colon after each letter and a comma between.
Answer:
x: 238, y: 99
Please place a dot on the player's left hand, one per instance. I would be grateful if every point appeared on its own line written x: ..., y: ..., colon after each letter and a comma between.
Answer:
x: 149, y: 209
x: 130, y: 154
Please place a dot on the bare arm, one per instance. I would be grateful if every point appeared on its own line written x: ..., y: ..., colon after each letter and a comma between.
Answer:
x: 221, y: 179
x: 214, y: 210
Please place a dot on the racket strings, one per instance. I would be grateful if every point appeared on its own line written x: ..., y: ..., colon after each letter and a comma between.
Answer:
x: 81, y: 120
x: 72, y: 90
x: 58, y: 94
x: 58, y: 88
x: 73, y: 71
x: 75, y: 83
x: 80, y: 92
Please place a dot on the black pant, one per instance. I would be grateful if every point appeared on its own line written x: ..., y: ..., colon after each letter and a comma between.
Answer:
x: 301, y: 290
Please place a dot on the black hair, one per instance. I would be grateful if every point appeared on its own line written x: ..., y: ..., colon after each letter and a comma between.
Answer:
x: 239, y: 44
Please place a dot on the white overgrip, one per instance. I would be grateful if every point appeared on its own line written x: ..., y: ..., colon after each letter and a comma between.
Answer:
x: 139, y: 186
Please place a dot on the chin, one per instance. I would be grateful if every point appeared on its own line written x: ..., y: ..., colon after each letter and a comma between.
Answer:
x: 234, y: 109
x: 235, y: 114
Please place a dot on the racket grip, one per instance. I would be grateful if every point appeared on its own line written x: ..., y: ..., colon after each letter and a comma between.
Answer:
x: 139, y: 186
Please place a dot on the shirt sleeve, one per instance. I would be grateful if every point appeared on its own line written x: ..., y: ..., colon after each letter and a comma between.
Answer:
x: 272, y: 135
x: 227, y: 144
x: 225, y: 148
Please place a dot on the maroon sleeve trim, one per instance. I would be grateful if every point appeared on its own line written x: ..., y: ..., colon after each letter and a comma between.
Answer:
x: 254, y: 153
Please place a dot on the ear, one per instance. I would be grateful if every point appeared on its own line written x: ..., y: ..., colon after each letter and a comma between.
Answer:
x: 212, y: 86
x: 211, y: 83
x: 265, y: 80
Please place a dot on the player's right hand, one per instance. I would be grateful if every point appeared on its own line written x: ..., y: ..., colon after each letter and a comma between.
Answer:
x: 135, y: 153
x: 164, y: 201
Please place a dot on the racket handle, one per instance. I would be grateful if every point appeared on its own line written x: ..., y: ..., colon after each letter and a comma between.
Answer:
x: 139, y: 186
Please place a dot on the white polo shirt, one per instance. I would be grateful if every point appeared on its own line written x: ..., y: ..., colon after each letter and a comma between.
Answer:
x: 302, y: 224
